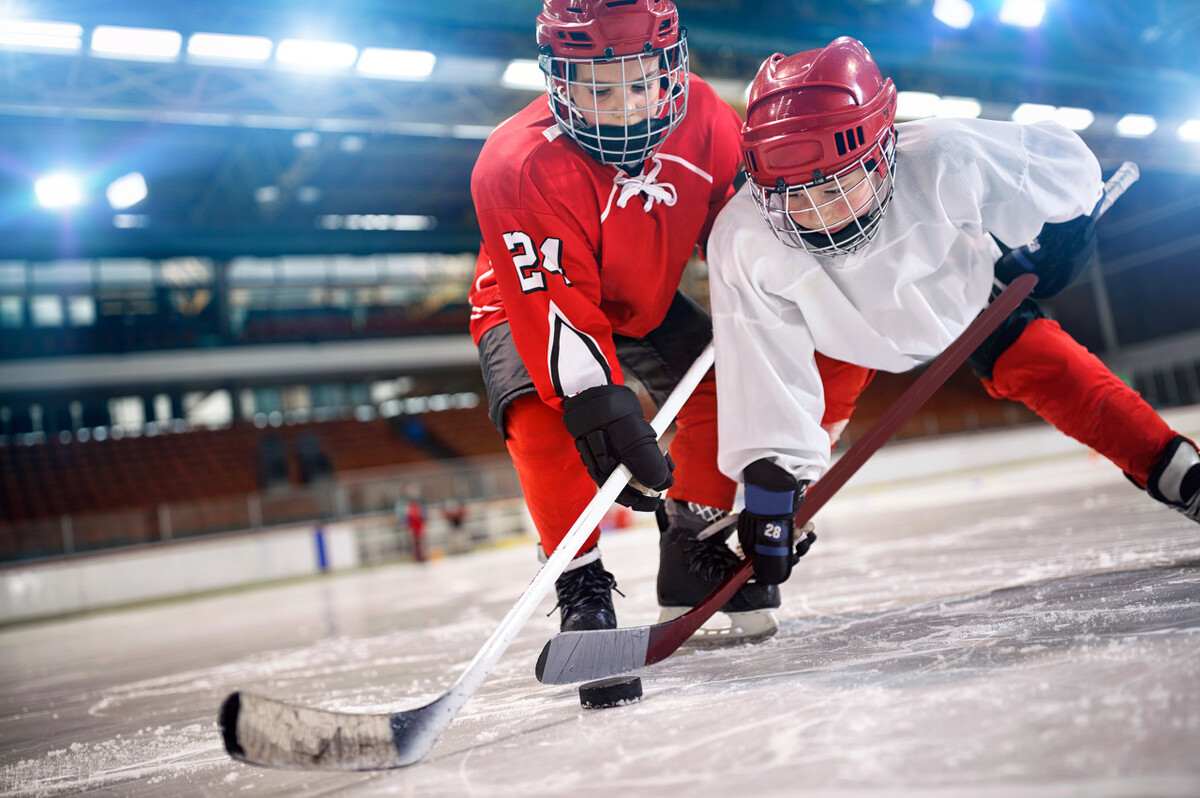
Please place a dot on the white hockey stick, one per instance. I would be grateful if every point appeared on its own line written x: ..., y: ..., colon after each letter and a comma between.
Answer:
x: 264, y: 731
x: 1125, y: 176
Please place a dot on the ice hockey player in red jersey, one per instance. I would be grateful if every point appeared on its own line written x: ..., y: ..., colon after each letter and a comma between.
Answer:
x: 591, y: 201
x: 877, y: 244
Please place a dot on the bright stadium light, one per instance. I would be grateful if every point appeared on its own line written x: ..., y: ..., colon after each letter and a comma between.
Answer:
x: 1074, y: 118
x: 1029, y: 113
x: 961, y: 107
x: 28, y: 34
x: 523, y: 73
x: 307, y: 55
x: 58, y: 190
x: 1136, y: 126
x: 127, y: 191
x: 379, y: 62
x: 229, y: 49
x: 1189, y: 130
x: 1023, y: 13
x: 137, y: 44
x: 306, y: 140
x: 955, y: 13
x: 916, y: 104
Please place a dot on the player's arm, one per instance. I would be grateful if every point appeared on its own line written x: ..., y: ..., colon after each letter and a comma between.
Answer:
x: 549, y: 280
x: 1062, y: 189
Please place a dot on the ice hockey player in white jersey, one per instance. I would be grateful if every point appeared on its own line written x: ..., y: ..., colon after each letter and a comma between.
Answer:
x: 876, y: 244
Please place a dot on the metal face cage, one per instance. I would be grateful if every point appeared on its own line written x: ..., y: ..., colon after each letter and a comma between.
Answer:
x: 835, y: 214
x: 650, y: 87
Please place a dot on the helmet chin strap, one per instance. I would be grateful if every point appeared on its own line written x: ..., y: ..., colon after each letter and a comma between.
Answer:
x: 820, y: 238
x: 627, y: 146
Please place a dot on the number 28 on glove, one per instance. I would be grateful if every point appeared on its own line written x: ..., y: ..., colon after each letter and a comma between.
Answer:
x: 766, y: 527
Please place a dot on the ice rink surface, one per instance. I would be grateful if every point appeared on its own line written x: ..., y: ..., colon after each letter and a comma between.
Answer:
x: 1023, y: 632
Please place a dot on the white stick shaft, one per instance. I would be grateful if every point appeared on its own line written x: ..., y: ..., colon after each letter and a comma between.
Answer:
x: 498, y: 643
x: 1125, y: 176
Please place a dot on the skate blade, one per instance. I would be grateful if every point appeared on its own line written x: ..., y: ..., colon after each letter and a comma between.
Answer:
x: 726, y: 629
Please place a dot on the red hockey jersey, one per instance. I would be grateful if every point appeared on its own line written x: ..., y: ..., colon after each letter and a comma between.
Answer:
x: 575, y: 250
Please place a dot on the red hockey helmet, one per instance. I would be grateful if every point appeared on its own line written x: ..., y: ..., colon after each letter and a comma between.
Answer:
x: 607, y: 28
x: 813, y: 119
x: 573, y: 33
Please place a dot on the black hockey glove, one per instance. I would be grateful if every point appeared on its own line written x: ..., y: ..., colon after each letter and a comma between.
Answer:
x: 609, y: 430
x: 767, y: 525
x: 1057, y: 256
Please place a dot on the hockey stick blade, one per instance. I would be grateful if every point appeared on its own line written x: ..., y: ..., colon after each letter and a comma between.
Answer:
x: 594, y: 654
x: 264, y: 731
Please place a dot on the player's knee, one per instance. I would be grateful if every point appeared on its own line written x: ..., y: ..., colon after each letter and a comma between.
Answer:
x: 1042, y: 358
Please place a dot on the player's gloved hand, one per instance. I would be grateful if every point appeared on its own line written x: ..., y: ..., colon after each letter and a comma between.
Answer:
x: 766, y: 526
x: 609, y: 430
x: 1057, y: 256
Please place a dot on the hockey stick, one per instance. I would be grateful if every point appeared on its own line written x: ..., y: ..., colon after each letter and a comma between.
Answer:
x: 1125, y: 176
x: 583, y: 656
x: 264, y: 731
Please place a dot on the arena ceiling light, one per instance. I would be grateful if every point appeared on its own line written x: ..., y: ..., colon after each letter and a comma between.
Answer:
x: 222, y: 48
x: 310, y: 55
x: 916, y: 104
x: 136, y: 44
x: 379, y: 62
x: 127, y: 191
x: 523, y: 73
x: 36, y: 35
x: 1136, y: 126
x: 1023, y: 13
x: 919, y: 104
x: 1068, y: 117
x: 959, y: 107
x: 1189, y: 130
x: 58, y: 190
x: 1074, y: 118
x: 954, y: 13
x: 1031, y: 113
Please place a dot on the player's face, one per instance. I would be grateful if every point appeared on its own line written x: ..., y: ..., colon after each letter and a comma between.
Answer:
x: 617, y: 93
x: 834, y: 204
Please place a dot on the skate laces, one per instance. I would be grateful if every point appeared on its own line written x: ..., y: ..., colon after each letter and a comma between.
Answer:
x: 586, y: 586
x: 708, y: 558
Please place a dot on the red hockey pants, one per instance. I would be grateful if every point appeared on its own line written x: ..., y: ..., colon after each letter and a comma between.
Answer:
x: 1060, y: 380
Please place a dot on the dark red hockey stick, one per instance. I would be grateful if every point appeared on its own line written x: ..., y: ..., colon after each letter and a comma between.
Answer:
x: 583, y: 656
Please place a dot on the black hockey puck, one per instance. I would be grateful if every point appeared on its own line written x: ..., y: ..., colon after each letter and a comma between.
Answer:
x: 611, y: 692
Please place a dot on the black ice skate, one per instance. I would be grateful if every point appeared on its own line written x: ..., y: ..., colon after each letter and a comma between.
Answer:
x: 1175, y: 481
x: 693, y: 558
x: 585, y: 594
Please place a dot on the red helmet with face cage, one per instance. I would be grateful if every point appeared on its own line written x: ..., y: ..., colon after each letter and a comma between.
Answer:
x: 815, y: 116
x: 607, y: 28
x: 575, y: 32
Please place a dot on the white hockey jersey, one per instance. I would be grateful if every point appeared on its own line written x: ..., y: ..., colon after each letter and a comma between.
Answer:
x: 896, y: 303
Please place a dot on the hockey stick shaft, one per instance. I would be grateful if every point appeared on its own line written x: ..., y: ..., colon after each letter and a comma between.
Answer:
x: 566, y: 550
x: 1125, y: 176
x: 580, y: 656
x: 668, y: 639
x: 265, y: 731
